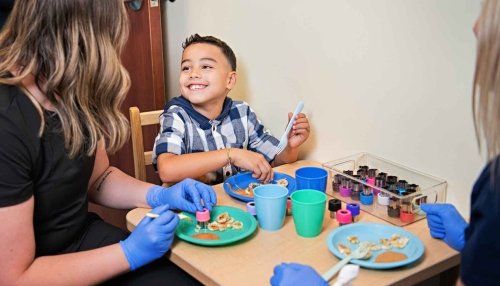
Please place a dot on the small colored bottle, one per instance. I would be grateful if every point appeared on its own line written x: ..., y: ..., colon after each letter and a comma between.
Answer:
x: 393, y: 210
x: 348, y: 172
x: 288, y: 206
x: 391, y: 187
x: 344, y: 217
x: 251, y: 209
x: 203, y: 218
x: 356, y: 190
x: 392, y: 179
x: 414, y: 187
x: 333, y: 206
x: 355, y: 210
x: 382, y: 175
x: 336, y: 182
x: 366, y: 197
x: 401, y: 186
x: 371, y: 176
x: 361, y: 173
x: 365, y: 168
x: 383, y: 199
x: 345, y: 188
x: 379, y: 183
x: 406, y: 214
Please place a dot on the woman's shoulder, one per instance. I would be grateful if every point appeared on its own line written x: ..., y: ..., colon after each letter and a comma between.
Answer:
x: 488, y: 179
x: 7, y: 96
x: 17, y: 110
x: 12, y: 96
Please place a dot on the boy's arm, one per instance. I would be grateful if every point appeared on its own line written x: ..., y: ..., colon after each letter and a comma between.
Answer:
x: 298, y: 135
x: 173, y: 168
x: 288, y: 155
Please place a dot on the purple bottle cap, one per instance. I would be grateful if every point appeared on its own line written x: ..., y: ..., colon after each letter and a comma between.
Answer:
x: 353, y: 208
x: 251, y: 208
x: 345, y: 192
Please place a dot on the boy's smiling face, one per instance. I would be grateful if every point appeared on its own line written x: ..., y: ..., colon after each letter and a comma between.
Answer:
x: 206, y: 78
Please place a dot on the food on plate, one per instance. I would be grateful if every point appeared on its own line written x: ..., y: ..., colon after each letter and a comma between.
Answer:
x: 395, y: 241
x: 223, y: 217
x: 237, y: 225
x: 248, y: 191
x: 390, y: 256
x: 353, y: 239
x: 222, y: 222
x: 206, y: 236
x: 344, y: 249
x: 282, y: 182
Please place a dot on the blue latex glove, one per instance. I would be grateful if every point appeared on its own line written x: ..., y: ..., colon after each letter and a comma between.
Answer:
x: 151, y: 238
x: 288, y: 274
x: 185, y: 196
x: 446, y: 223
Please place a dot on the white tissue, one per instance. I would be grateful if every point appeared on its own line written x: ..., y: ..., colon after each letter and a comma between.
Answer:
x: 347, y: 274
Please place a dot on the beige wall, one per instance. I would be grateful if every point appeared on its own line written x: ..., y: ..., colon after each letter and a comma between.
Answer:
x: 389, y: 77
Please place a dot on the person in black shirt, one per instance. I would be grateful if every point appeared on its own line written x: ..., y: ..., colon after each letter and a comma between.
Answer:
x: 5, y: 8
x: 61, y: 87
x: 478, y: 240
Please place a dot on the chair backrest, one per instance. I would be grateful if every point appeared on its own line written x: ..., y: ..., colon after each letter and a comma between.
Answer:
x: 142, y: 158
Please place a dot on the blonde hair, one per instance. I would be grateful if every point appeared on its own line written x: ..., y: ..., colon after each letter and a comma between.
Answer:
x: 72, y: 48
x: 486, y: 89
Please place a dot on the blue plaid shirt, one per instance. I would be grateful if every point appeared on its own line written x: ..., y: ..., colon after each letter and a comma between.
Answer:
x: 183, y: 130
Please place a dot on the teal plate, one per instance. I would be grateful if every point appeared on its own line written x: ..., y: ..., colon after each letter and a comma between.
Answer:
x: 186, y: 228
x: 372, y: 232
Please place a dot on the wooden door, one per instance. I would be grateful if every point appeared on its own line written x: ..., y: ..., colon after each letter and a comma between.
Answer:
x: 143, y: 58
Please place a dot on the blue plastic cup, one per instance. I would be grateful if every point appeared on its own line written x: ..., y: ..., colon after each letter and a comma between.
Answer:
x: 313, y: 178
x: 270, y: 205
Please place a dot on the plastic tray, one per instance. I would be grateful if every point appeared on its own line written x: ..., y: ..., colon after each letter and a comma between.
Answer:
x: 430, y: 189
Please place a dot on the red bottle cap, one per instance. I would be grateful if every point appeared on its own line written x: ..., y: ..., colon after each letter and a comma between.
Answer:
x: 406, y: 217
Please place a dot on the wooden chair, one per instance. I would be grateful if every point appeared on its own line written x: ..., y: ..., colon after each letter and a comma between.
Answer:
x: 142, y: 158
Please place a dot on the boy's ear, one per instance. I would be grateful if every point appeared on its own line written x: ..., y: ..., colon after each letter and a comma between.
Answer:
x: 232, y: 80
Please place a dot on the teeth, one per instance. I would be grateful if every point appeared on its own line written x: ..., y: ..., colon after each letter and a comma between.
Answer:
x: 196, y: 86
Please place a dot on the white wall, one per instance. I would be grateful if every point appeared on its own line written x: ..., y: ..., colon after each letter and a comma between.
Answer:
x: 389, y: 77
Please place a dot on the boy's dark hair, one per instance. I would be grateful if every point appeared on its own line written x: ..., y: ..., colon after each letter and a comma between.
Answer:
x: 226, y: 50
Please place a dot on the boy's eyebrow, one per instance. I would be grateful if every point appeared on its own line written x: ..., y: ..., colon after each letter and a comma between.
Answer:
x: 202, y: 59
x: 208, y: 59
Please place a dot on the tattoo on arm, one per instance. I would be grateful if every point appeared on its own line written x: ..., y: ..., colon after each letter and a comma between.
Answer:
x: 98, y: 189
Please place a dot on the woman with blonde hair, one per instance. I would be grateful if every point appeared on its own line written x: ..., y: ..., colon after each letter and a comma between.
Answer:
x: 477, y: 240
x: 61, y: 86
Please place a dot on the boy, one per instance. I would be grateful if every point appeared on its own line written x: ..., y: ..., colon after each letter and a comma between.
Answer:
x: 206, y: 135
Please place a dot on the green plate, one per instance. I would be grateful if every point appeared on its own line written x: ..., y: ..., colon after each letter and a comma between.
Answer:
x: 186, y: 228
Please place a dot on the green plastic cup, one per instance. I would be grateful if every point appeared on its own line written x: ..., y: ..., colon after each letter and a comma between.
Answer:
x: 308, y: 210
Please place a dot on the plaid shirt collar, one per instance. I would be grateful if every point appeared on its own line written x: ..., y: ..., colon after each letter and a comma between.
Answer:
x: 203, y: 122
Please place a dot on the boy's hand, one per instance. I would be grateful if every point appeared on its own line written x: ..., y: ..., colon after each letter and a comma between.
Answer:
x: 300, y: 130
x: 253, y: 162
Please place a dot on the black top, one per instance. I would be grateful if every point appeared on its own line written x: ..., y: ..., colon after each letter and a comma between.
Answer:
x: 40, y: 167
x: 480, y: 262
x: 5, y: 8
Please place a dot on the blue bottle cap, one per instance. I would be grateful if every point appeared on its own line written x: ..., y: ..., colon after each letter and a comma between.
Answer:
x: 366, y: 199
x: 353, y: 208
